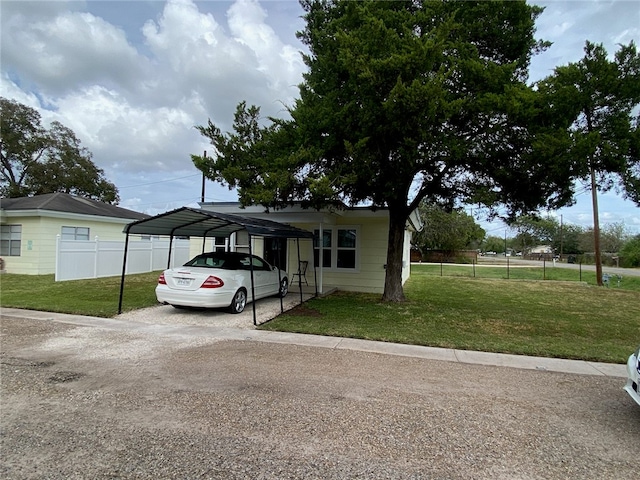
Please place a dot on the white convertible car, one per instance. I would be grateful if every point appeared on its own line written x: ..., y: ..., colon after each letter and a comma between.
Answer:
x: 220, y: 279
x: 633, y: 376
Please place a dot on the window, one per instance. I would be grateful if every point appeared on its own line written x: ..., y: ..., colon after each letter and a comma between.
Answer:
x: 346, y: 250
x: 339, y: 248
x: 326, y: 248
x: 10, y: 240
x: 75, y: 233
x: 219, y: 244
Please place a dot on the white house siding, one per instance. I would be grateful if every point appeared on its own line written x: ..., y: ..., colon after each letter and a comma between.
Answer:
x: 406, y: 257
x: 370, y: 260
x: 373, y: 231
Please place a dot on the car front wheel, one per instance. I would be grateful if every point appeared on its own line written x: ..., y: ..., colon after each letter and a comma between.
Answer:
x: 284, y: 288
x: 239, y: 301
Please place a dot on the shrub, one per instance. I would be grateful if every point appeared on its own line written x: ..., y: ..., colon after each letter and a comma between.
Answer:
x: 630, y: 253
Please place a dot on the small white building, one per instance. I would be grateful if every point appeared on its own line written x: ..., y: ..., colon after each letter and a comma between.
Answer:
x: 351, y: 255
x: 31, y: 226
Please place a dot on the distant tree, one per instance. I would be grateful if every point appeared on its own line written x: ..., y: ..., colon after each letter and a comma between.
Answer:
x: 403, y: 101
x: 493, y: 244
x: 630, y: 253
x: 569, y: 241
x: 600, y: 95
x: 533, y: 230
x: 612, y: 238
x: 35, y: 160
x: 447, y: 230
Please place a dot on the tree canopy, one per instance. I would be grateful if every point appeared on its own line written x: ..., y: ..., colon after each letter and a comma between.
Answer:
x: 598, y: 96
x: 36, y: 160
x: 403, y: 101
x: 447, y: 230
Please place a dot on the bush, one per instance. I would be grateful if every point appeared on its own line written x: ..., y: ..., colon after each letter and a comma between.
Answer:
x: 630, y: 253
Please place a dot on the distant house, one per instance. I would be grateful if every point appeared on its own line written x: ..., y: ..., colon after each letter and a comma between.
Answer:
x: 351, y: 256
x: 30, y: 227
x: 541, y: 249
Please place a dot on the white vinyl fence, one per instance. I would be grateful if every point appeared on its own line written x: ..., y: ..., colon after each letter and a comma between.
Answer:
x: 78, y: 259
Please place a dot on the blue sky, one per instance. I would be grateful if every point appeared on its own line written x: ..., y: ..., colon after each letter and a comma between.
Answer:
x: 132, y: 78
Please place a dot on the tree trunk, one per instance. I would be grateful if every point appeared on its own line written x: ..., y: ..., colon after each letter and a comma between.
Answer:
x: 393, y: 291
x: 596, y: 228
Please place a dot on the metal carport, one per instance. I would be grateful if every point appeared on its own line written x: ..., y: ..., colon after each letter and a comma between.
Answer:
x: 194, y: 222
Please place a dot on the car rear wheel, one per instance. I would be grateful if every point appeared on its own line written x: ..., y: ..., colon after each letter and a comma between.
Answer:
x: 239, y: 301
x: 284, y: 288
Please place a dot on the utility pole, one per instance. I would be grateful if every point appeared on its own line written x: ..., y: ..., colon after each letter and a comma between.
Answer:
x: 203, y: 178
x: 596, y: 227
x: 561, y: 237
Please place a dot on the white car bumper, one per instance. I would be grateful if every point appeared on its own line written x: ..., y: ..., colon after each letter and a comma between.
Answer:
x: 633, y: 379
x: 197, y: 298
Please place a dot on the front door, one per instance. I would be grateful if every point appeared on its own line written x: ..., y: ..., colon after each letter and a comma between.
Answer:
x: 275, y: 252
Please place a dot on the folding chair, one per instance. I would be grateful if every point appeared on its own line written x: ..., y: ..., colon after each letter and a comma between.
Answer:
x: 301, y: 273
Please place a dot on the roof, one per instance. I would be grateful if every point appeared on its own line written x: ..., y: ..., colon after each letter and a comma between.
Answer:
x: 64, y: 202
x: 187, y: 221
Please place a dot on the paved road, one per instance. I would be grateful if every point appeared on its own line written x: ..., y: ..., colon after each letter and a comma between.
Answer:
x: 104, y: 398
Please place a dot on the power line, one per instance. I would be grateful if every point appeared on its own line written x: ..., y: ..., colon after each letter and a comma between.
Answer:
x: 161, y: 181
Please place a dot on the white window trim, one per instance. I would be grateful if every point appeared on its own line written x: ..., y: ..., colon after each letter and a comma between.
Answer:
x: 9, y: 233
x: 75, y: 233
x: 334, y: 248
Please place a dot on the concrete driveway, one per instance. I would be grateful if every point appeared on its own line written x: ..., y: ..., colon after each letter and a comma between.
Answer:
x: 266, y: 309
x: 118, y: 398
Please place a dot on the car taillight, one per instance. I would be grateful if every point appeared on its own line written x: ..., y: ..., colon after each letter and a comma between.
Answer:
x: 161, y: 280
x: 212, y: 282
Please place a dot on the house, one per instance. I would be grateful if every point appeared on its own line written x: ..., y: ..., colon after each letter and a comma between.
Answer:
x: 31, y: 226
x: 541, y: 249
x: 351, y: 255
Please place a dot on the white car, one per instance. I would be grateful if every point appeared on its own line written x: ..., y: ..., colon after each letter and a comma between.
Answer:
x: 220, y: 279
x: 633, y: 376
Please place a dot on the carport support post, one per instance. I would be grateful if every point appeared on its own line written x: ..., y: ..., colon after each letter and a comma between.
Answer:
x: 124, y: 269
x: 170, y: 247
x: 299, y: 276
x: 279, y: 276
x: 253, y: 288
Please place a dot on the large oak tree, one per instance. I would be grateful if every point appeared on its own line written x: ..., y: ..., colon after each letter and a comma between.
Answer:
x: 403, y: 101
x: 35, y: 160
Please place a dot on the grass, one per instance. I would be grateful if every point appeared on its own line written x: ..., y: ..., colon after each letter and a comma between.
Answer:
x: 95, y: 297
x: 555, y: 319
x: 564, y: 319
x: 549, y: 272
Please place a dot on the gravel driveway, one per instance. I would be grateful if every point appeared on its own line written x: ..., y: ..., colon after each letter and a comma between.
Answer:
x: 84, y: 402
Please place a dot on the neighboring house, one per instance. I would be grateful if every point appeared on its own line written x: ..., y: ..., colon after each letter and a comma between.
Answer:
x: 539, y: 249
x: 30, y: 227
x: 351, y: 256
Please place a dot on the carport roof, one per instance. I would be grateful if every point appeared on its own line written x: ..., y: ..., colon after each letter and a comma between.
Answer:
x: 188, y: 222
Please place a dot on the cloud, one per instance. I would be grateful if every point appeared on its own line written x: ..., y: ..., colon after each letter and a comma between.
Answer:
x: 59, y: 54
x: 131, y: 79
x: 569, y: 24
x: 136, y: 111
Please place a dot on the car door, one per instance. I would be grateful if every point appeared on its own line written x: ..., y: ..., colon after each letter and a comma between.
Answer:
x: 266, y: 280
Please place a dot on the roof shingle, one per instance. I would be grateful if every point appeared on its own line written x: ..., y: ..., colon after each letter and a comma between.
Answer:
x: 64, y: 202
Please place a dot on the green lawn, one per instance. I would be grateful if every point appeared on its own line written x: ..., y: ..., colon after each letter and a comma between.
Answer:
x: 543, y: 318
x: 534, y: 317
x: 96, y: 297
x: 518, y: 272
